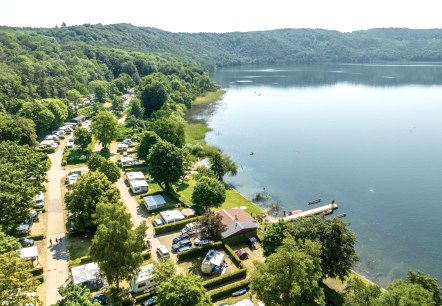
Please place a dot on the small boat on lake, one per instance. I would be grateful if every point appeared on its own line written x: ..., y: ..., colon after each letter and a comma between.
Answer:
x: 314, y: 202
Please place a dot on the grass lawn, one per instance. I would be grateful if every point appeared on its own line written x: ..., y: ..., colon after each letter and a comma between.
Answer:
x: 78, y: 247
x: 233, y: 198
x: 76, y: 156
x: 193, y: 266
x: 195, y: 132
x: 209, y: 97
x: 339, y: 286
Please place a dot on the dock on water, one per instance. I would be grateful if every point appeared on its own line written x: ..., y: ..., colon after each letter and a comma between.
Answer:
x: 311, y: 212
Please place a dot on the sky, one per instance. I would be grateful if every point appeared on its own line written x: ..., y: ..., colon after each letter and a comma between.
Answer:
x: 226, y: 15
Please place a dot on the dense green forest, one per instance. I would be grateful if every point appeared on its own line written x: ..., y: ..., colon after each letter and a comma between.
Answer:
x: 276, y: 46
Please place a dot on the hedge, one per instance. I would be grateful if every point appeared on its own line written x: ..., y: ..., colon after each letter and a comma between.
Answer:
x: 85, y: 260
x: 226, y: 291
x: 235, y: 259
x: 240, y: 238
x: 215, y: 282
x: 36, y: 237
x: 167, y: 228
x: 36, y: 271
x: 200, y: 250
x: 40, y: 210
x: 40, y: 278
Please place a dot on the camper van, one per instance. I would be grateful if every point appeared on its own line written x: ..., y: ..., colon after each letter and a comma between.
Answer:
x: 213, y: 259
x: 143, y: 280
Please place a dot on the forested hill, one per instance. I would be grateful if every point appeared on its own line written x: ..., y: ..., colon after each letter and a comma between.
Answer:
x: 276, y: 46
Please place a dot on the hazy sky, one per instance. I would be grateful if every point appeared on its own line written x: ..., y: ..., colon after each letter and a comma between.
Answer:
x: 226, y: 15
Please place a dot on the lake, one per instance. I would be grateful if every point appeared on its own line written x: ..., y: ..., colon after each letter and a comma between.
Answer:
x: 367, y: 136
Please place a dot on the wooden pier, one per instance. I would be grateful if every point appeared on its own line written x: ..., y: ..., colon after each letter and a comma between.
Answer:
x: 312, y: 212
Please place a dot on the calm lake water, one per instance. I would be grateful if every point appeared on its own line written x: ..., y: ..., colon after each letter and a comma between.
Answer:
x: 367, y: 136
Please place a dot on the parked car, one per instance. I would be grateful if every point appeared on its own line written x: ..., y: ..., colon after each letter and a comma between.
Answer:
x: 26, y: 242
x: 180, y: 244
x: 101, y: 298
x: 163, y: 252
x: 180, y: 237
x: 190, y: 228
x: 240, y: 291
x: 242, y: 254
x: 199, y: 242
x: 127, y: 141
x: 184, y: 248
x: 157, y: 222
x: 40, y: 200
x: 70, y: 145
x: 149, y: 302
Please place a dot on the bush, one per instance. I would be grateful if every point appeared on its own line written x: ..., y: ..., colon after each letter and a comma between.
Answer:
x: 36, y: 237
x: 36, y: 271
x: 146, y: 255
x: 167, y: 228
x: 235, y: 259
x: 199, y: 250
x: 85, y: 260
x: 105, y: 152
x: 215, y: 282
x: 144, y: 296
x: 40, y: 278
x: 226, y: 291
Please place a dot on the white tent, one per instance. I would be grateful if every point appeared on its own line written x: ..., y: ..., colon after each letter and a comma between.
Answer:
x: 84, y: 273
x: 245, y: 302
x: 154, y: 201
x: 29, y: 252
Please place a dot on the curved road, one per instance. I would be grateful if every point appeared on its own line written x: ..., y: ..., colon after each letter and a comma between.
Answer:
x: 57, y: 269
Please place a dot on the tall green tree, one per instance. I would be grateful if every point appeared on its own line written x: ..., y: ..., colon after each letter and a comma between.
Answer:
x: 18, y: 129
x: 359, y: 293
x: 74, y: 98
x: 58, y: 109
x: 221, y: 164
x: 110, y: 169
x: 104, y: 127
x: 290, y: 276
x: 116, y: 247
x: 165, y: 163
x: 163, y: 270
x: 22, y: 171
x: 210, y: 226
x: 95, y: 161
x: 338, y: 254
x: 75, y: 295
x: 170, y: 129
x: 91, y: 189
x: 401, y: 293
x: 153, y: 96
x: 274, y: 234
x: 82, y: 138
x: 183, y: 290
x: 148, y: 139
x: 135, y: 109
x: 38, y: 112
x: 16, y: 280
x: 100, y: 89
x: 208, y: 192
x: 427, y: 282
x: 8, y: 243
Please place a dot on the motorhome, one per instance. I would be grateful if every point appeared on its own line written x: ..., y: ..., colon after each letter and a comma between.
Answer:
x: 142, y: 282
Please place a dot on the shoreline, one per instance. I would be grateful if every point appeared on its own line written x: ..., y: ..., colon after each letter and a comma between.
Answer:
x: 220, y: 94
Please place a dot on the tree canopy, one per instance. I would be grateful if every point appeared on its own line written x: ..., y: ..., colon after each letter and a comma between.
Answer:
x: 153, y: 96
x: 290, y: 275
x: 208, y: 192
x: 403, y: 293
x: 116, y: 247
x: 210, y: 226
x: 360, y: 293
x: 165, y: 162
x: 90, y: 189
x: 274, y: 234
x: 75, y: 295
x: 148, y: 139
x: 8, y: 243
x: 170, y: 129
x: 427, y: 282
x: 104, y: 127
x: 183, y: 290
x: 16, y: 280
x: 18, y: 129
x: 221, y: 164
x: 82, y: 138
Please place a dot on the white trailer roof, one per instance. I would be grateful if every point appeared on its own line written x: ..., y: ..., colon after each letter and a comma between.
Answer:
x: 85, y: 273
x: 29, y: 252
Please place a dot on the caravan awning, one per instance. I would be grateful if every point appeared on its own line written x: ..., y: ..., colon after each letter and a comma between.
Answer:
x: 84, y: 273
x: 29, y: 252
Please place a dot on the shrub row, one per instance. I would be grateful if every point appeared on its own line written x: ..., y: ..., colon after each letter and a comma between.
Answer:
x: 85, y: 260
x: 40, y: 278
x: 36, y: 237
x: 235, y: 259
x: 36, y: 271
x: 240, y: 238
x: 40, y: 210
x: 200, y: 250
x: 48, y: 150
x: 226, y: 291
x: 162, y: 229
x: 241, y: 273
